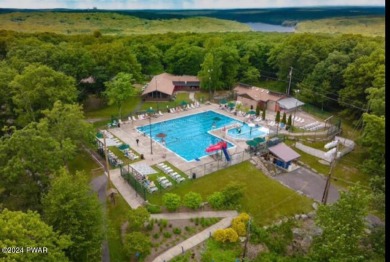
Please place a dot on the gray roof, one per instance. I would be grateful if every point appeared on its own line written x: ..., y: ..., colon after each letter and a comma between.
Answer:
x: 284, y: 152
x: 290, y: 103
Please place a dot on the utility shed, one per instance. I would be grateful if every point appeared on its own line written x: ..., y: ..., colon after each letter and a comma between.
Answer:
x: 284, y: 155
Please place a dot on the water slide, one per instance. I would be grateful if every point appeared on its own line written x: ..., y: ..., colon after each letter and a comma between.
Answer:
x: 226, y: 153
x: 219, y: 146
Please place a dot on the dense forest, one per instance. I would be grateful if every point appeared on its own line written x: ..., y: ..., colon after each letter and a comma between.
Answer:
x: 42, y: 123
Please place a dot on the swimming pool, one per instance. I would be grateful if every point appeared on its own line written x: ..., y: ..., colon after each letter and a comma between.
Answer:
x: 188, y: 136
x: 244, y: 132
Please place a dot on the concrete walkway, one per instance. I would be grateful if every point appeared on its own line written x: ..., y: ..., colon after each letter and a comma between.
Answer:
x: 198, y: 238
x: 127, y: 192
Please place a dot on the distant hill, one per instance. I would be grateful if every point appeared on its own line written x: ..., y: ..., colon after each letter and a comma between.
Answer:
x: 364, y: 25
x: 110, y: 23
x: 275, y: 16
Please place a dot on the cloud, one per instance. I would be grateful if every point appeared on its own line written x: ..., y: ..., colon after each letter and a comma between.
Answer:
x: 179, y: 4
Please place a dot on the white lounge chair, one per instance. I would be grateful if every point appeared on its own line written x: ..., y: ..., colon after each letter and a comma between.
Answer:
x: 161, y: 114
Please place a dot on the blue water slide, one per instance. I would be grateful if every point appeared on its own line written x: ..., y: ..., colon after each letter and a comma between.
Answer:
x: 226, y: 154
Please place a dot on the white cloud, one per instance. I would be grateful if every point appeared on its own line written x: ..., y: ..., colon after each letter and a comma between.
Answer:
x: 178, y: 4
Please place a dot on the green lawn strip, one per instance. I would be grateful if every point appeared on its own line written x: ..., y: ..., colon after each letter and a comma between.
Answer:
x: 108, y: 111
x: 162, y: 105
x: 122, y: 156
x: 264, y: 198
x: 216, y: 251
x: 116, y: 216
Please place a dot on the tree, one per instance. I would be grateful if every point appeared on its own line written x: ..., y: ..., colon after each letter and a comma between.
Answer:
x: 37, y: 88
x: 289, y: 122
x: 232, y: 193
x: 216, y: 200
x: 257, y: 110
x: 28, y: 230
x: 239, y: 223
x: 70, y: 208
x: 137, y: 218
x: 192, y: 200
x: 137, y: 243
x: 171, y: 201
x: 284, y: 120
x: 210, y: 73
x: 277, y: 117
x: 373, y: 139
x: 184, y: 59
x: 119, y: 90
x: 28, y: 157
x: 343, y: 225
x: 67, y: 125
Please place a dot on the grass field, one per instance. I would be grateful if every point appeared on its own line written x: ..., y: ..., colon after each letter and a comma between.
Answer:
x: 162, y: 105
x: 364, y: 25
x: 106, y: 111
x: 111, y: 24
x: 264, y: 198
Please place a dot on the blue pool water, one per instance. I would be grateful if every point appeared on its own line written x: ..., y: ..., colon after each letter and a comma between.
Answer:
x: 246, y: 132
x: 188, y: 136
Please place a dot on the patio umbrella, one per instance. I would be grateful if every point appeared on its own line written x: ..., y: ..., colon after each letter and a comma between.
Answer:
x: 150, y: 110
x: 251, y: 112
x: 251, y: 143
x: 183, y: 103
x: 231, y: 104
x: 259, y: 140
x: 161, y: 135
x: 123, y: 146
x: 223, y: 101
x: 99, y: 135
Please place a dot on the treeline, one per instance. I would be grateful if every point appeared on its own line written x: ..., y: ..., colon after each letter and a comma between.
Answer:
x: 42, y: 124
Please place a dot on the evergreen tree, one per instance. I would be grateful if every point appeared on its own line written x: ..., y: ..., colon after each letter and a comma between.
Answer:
x: 284, y: 121
x: 277, y: 117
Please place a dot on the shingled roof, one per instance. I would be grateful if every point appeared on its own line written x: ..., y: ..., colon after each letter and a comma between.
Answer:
x: 257, y: 93
x: 284, y: 152
x: 165, y: 83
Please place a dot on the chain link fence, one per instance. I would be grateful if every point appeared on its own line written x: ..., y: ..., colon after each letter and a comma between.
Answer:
x: 218, y: 164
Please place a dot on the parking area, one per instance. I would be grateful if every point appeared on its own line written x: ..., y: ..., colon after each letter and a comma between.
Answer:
x: 309, y: 183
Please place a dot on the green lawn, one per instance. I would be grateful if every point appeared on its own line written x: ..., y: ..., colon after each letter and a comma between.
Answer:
x: 162, y: 105
x: 107, y: 111
x: 265, y: 199
x: 202, y: 96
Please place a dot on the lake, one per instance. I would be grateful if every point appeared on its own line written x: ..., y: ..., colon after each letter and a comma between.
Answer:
x: 263, y: 27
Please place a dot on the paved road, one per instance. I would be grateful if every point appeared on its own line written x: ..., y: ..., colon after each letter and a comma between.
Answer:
x: 308, y: 182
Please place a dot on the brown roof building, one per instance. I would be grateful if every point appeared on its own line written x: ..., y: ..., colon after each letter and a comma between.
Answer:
x: 255, y: 96
x: 163, y: 86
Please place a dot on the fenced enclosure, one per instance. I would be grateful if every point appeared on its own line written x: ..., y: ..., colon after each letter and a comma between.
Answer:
x: 218, y: 164
x: 133, y: 182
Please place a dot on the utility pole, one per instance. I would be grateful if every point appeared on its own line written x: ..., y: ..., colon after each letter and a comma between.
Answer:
x: 289, y: 83
x: 247, y: 239
x: 332, y: 166
x: 106, y: 156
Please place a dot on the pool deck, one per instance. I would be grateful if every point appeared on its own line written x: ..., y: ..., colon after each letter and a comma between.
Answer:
x: 128, y: 134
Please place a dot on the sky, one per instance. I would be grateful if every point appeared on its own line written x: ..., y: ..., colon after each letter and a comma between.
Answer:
x: 180, y: 4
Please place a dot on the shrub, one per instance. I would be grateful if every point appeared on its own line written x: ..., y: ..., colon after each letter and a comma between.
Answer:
x: 167, y: 234
x: 171, y: 201
x: 153, y: 209
x: 164, y: 223
x: 196, y: 220
x: 192, y: 200
x: 176, y: 231
x: 187, y: 228
x: 225, y: 235
x: 232, y: 193
x: 137, y: 242
x: 156, y: 236
x: 216, y: 200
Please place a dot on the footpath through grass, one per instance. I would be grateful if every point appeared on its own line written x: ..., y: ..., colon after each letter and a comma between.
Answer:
x: 107, y: 111
x: 264, y: 198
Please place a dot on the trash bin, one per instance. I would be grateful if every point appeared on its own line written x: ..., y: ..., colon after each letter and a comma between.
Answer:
x: 193, y: 175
